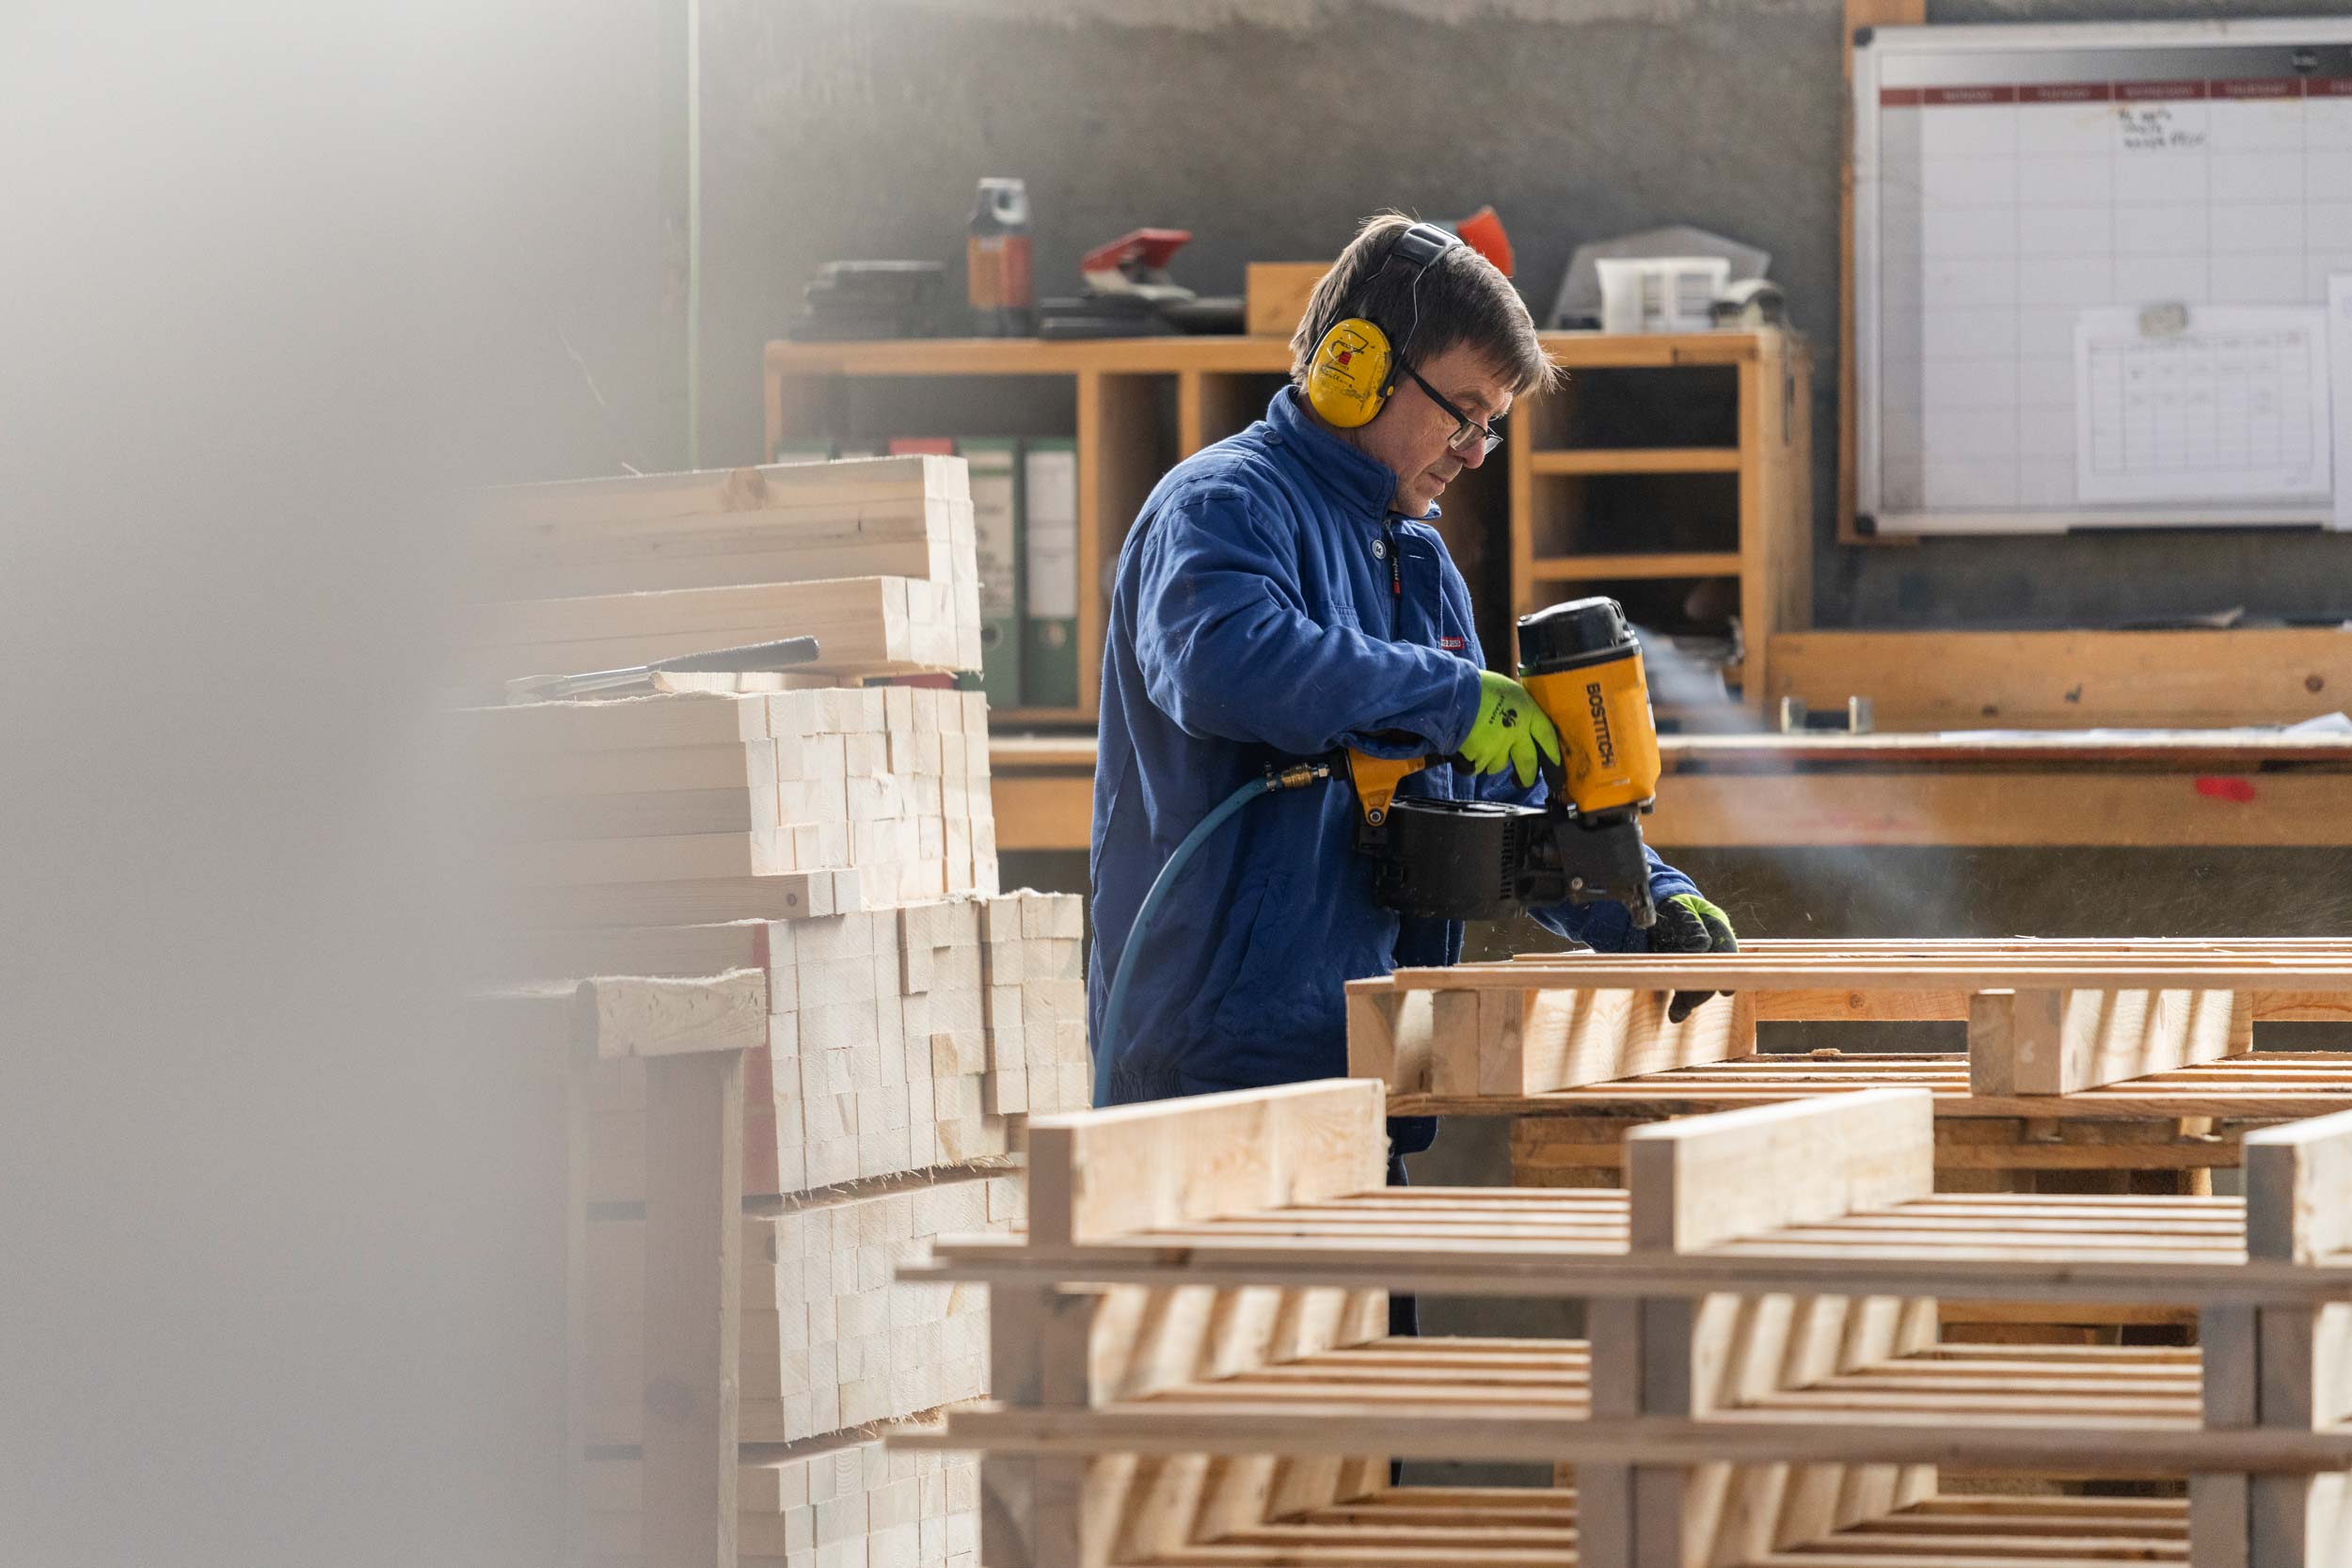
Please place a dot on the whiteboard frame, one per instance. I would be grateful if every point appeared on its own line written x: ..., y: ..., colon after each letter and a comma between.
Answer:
x: 2003, y: 38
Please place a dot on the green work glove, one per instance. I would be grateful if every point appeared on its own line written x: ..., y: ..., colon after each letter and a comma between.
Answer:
x: 1686, y: 922
x: 1509, y: 729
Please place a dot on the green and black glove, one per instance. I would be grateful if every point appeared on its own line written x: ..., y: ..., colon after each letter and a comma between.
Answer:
x: 1509, y: 731
x: 1686, y: 922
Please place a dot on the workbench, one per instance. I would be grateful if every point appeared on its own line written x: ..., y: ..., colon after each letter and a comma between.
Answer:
x: 2190, y: 789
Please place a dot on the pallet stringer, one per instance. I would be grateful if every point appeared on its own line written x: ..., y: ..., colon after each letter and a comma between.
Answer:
x: 1701, y: 1181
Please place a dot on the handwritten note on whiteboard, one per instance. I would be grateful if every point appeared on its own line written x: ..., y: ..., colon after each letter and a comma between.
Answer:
x: 2231, y: 407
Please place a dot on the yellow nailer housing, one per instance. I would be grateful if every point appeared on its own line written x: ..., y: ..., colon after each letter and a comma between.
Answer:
x: 1580, y: 663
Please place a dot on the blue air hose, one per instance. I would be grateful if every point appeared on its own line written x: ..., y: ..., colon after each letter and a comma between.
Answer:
x: 1115, y: 1007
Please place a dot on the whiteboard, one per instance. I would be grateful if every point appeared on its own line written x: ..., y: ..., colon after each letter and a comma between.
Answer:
x: 2015, y: 187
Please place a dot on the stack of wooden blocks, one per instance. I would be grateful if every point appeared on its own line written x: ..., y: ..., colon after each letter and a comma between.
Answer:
x: 720, y: 806
x: 820, y: 858
x: 846, y: 1504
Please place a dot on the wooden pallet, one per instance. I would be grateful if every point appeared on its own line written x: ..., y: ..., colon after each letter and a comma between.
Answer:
x: 1762, y: 1374
x: 2040, y: 1022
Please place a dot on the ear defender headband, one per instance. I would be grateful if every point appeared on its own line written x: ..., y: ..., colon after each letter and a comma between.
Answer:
x: 1355, y: 365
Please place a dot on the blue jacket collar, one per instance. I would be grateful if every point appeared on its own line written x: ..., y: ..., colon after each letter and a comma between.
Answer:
x: 1363, y: 484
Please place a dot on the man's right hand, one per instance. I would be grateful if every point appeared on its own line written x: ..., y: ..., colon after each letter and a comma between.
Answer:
x: 1509, y: 731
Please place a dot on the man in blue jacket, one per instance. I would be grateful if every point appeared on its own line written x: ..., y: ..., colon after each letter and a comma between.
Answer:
x: 1282, y: 593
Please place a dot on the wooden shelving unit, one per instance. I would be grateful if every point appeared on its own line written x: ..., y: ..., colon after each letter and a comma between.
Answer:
x: 1138, y: 405
x: 1723, y: 497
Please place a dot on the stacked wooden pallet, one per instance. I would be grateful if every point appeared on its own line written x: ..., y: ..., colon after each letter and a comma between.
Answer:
x: 874, y: 559
x: 671, y: 810
x: 809, y: 872
x: 1761, y: 1385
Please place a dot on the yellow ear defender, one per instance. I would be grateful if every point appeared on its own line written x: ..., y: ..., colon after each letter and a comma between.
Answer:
x: 1355, y: 365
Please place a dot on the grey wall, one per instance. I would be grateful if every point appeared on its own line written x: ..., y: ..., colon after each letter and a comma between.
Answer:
x: 856, y: 128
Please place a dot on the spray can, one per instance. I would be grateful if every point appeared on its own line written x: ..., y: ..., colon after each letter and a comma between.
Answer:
x: 996, y: 261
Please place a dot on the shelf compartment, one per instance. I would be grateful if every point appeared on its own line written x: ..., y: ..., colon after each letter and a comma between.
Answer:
x: 1637, y: 460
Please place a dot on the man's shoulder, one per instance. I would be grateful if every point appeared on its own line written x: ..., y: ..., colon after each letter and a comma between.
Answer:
x: 1240, y: 470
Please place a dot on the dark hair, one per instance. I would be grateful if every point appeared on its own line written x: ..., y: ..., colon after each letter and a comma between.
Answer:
x: 1462, y: 298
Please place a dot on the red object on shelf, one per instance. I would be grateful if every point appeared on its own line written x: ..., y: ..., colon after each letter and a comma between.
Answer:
x: 1483, y: 232
x: 1150, y: 248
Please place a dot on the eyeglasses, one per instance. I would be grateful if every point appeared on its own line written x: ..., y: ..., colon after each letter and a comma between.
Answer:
x: 1466, y: 429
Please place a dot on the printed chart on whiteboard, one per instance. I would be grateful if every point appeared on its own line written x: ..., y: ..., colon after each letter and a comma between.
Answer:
x: 2213, y: 402
x: 2092, y: 274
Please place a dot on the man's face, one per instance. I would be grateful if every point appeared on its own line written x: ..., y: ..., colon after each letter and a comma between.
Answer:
x: 1411, y: 433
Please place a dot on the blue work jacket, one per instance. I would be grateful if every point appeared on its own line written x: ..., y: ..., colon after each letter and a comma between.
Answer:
x: 1269, y: 608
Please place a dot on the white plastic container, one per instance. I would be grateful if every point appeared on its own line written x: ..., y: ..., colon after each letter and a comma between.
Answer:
x: 1659, y: 294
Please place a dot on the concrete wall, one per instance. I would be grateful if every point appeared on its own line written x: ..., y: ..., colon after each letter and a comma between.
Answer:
x: 856, y: 128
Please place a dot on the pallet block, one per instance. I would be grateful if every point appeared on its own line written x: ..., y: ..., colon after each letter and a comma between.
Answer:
x: 1708, y: 1179
x: 829, y: 1341
x: 675, y: 810
x: 2284, y: 1367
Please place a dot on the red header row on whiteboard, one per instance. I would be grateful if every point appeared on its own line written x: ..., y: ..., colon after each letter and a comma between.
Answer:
x: 2126, y: 92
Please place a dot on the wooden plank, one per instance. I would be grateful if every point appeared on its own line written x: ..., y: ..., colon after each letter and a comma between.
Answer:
x: 2055, y: 1042
x: 2221, y: 750
x: 1741, y: 972
x: 1663, y: 563
x: 1637, y: 460
x: 794, y: 896
x: 1741, y: 1173
x: 1776, y: 575
x: 692, y: 1312
x: 1097, y: 1173
x: 1266, y: 355
x: 863, y: 626
x: 1871, y: 805
x: 2069, y: 680
x: 630, y: 499
x: 2004, y: 810
x: 2099, y: 1446
x: 640, y: 1017
x: 1964, y: 1267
